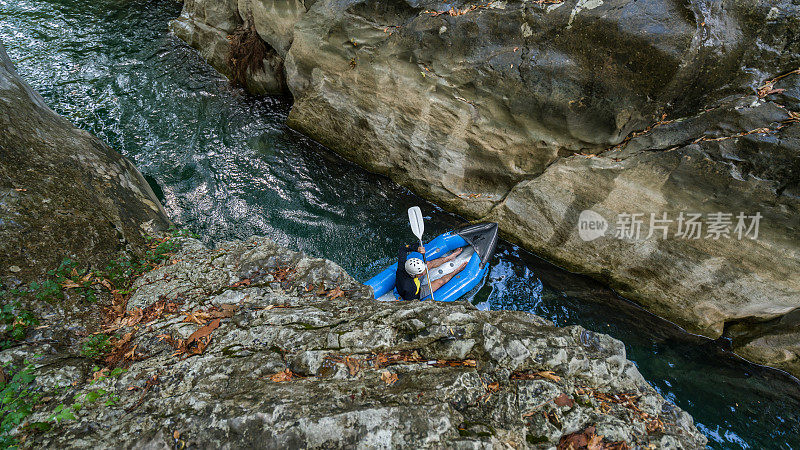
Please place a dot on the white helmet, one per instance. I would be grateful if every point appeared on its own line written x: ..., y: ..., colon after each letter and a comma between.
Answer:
x: 415, y: 266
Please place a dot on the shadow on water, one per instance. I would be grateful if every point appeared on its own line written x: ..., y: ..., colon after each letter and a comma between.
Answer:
x: 226, y: 167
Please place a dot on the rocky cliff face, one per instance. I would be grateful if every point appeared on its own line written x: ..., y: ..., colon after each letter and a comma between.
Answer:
x: 530, y: 112
x: 62, y: 191
x: 253, y: 345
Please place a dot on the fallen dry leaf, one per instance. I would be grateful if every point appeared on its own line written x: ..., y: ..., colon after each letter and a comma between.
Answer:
x: 576, y: 440
x: 240, y: 283
x: 198, y: 317
x: 455, y: 363
x: 134, y: 317
x: 283, y: 273
x: 100, y: 373
x: 353, y: 366
x: 176, y: 434
x: 199, y: 340
x: 130, y: 354
x: 564, y: 400
x: 335, y: 293
x: 389, y: 378
x: 68, y: 284
x: 595, y: 443
x: 119, y: 349
x: 106, y: 284
x: 279, y: 377
x: 535, y: 375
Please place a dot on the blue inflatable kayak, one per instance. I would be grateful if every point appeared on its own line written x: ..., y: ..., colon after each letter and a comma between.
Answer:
x: 478, y: 242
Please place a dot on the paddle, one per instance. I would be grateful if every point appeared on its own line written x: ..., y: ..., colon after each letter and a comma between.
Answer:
x: 418, y: 227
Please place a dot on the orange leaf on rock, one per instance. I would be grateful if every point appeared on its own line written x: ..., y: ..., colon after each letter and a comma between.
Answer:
x: 244, y: 282
x: 198, y: 317
x: 199, y: 340
x: 564, y: 400
x: 100, y: 373
x: 588, y: 439
x: 352, y: 365
x: 595, y: 443
x: 550, y: 375
x: 576, y: 440
x: 279, y: 377
x: 68, y: 284
x: 335, y: 293
x: 134, y: 317
x: 389, y: 377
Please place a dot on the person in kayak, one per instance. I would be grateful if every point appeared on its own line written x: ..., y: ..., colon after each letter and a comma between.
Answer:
x: 409, y: 271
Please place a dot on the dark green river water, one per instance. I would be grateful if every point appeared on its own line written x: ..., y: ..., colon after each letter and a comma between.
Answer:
x: 226, y: 167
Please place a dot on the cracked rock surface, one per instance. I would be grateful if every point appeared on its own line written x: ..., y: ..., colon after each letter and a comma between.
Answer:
x: 364, y: 374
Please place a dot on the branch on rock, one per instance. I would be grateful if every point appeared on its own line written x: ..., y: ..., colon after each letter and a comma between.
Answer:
x: 152, y: 381
x: 769, y: 86
x: 453, y: 11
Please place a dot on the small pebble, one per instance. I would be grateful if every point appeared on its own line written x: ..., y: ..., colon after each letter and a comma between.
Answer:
x: 14, y: 269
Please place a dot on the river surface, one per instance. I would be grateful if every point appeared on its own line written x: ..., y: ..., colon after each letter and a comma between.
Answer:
x: 225, y: 166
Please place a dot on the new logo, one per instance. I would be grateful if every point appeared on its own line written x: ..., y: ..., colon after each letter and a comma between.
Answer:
x: 591, y: 225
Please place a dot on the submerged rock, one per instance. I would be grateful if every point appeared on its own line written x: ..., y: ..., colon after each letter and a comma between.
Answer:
x: 530, y: 112
x: 63, y: 192
x: 304, y: 357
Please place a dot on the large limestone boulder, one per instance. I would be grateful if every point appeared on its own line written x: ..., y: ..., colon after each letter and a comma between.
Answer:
x: 63, y: 192
x: 530, y: 112
x: 306, y: 358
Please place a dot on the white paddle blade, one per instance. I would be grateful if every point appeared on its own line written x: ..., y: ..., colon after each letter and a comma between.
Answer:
x: 415, y: 219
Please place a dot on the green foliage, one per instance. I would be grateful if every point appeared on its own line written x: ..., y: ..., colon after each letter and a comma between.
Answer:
x: 47, y: 290
x: 96, y: 346
x: 121, y: 273
x: 19, y: 396
x: 61, y: 413
x: 109, y: 399
x: 18, y: 399
x: 14, y: 320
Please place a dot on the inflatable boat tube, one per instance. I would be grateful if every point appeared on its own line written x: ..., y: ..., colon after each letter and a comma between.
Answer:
x: 478, y: 242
